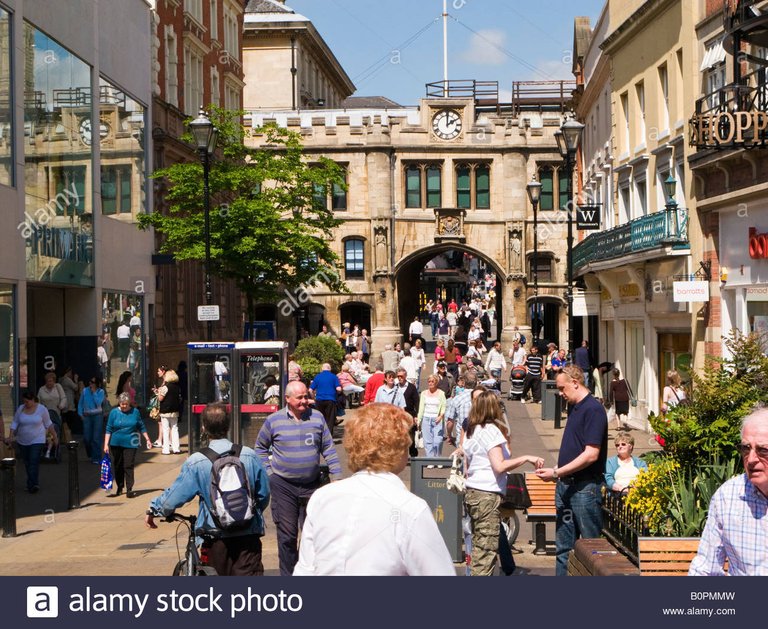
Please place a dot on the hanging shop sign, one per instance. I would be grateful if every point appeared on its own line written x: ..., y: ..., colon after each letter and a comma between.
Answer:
x: 588, y: 217
x: 690, y: 291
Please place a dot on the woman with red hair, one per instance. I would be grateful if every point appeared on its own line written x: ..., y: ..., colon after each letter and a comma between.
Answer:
x: 370, y: 524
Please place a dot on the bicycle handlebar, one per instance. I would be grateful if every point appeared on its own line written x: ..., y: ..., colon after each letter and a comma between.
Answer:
x: 178, y: 517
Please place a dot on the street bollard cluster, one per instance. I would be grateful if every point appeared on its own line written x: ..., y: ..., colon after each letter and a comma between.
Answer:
x: 8, y: 489
x: 73, y: 500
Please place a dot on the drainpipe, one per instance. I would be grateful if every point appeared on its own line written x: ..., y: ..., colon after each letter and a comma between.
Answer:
x: 293, y: 73
x: 393, y: 211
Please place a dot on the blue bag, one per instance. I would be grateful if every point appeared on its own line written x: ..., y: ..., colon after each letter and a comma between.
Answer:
x: 106, y: 473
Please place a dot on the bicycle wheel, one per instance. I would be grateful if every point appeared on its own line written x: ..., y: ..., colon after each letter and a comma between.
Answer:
x: 180, y: 569
x: 511, y: 526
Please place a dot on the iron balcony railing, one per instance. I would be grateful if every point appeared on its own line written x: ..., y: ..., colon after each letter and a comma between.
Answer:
x: 668, y: 227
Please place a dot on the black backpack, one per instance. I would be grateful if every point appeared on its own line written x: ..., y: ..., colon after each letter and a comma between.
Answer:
x: 232, y: 503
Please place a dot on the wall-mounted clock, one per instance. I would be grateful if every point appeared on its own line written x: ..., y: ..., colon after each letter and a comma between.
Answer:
x: 86, y: 131
x: 446, y: 124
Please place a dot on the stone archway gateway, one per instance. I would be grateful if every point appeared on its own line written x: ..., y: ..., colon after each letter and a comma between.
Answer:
x: 416, y: 283
x: 413, y: 194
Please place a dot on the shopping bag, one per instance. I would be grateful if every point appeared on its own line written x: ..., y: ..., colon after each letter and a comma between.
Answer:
x: 455, y: 482
x: 154, y: 408
x: 106, y: 473
x: 517, y: 496
x: 419, y: 440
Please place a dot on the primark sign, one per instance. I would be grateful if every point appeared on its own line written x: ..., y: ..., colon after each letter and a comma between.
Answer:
x: 588, y: 217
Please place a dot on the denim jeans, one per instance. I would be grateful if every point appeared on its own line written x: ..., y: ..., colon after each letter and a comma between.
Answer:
x: 578, y: 516
x: 31, y: 456
x: 433, y: 437
x: 93, y: 427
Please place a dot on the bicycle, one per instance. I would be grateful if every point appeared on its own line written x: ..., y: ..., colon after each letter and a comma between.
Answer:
x: 194, y: 563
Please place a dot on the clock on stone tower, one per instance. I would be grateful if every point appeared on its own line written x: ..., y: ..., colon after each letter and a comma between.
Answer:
x: 446, y: 124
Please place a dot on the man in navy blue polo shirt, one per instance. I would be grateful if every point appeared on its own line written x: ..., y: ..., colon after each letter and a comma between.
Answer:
x: 580, y: 466
x: 325, y: 388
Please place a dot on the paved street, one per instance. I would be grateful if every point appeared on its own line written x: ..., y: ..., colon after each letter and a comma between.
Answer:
x: 107, y: 536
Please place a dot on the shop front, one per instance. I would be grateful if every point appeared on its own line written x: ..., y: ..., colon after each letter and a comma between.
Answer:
x: 744, y: 271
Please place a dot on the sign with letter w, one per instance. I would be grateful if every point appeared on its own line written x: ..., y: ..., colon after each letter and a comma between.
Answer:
x: 588, y: 217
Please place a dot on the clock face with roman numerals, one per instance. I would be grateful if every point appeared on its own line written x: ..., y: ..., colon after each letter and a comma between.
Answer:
x: 446, y: 124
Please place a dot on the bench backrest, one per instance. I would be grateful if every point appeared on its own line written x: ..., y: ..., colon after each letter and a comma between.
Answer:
x: 542, y: 494
x: 666, y: 557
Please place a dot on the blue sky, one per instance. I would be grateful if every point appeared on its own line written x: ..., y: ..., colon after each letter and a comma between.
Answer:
x: 394, y: 47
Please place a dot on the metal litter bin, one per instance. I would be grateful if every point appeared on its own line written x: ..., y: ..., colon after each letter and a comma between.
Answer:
x: 550, y: 401
x: 429, y: 483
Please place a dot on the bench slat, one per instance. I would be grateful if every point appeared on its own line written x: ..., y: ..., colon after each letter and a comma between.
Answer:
x: 653, y: 556
x: 667, y: 545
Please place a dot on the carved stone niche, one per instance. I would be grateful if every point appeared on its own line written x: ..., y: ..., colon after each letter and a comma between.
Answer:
x: 381, y: 249
x: 516, y: 249
x: 449, y: 224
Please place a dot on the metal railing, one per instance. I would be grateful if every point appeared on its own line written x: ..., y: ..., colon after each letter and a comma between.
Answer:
x: 526, y: 95
x: 622, y: 526
x: 485, y: 91
x: 542, y: 95
x: 668, y: 227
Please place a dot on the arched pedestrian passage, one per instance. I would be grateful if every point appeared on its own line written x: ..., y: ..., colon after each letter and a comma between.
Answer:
x: 447, y: 271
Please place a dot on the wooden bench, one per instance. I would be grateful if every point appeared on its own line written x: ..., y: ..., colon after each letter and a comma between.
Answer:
x: 598, y: 558
x: 666, y: 556
x: 541, y: 511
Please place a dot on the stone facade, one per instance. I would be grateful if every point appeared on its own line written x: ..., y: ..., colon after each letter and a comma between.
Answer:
x: 376, y: 148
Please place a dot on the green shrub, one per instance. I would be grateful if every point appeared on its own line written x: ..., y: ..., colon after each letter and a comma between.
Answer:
x: 709, y: 426
x: 313, y: 351
x: 689, y: 494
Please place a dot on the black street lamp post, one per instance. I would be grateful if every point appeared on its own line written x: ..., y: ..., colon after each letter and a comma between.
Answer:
x: 205, y: 135
x: 568, y: 138
x: 534, y: 194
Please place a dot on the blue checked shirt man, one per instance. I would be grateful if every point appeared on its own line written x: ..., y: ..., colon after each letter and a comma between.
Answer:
x: 457, y: 413
x: 737, y: 526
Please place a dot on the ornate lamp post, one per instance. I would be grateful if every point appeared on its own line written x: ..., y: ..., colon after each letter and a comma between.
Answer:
x: 534, y: 194
x: 670, y: 207
x: 568, y: 138
x: 205, y: 135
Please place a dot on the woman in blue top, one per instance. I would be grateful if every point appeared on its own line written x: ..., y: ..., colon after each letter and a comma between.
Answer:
x: 121, y: 442
x: 90, y: 409
x: 623, y: 468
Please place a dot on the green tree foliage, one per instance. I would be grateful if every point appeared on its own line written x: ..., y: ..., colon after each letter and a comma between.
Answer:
x: 268, y: 232
x: 709, y: 426
x: 313, y: 351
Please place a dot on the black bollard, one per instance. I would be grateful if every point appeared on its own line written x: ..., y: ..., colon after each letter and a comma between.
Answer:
x: 74, y: 476
x: 8, y: 488
x: 558, y: 411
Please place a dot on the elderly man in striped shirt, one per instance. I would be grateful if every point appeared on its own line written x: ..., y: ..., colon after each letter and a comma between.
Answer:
x: 737, y: 525
x: 296, y: 436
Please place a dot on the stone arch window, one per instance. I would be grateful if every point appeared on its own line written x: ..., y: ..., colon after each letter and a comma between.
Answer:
x: 354, y: 258
x: 334, y: 196
x: 423, y: 184
x: 473, y: 185
x: 544, y: 264
x: 554, y: 185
